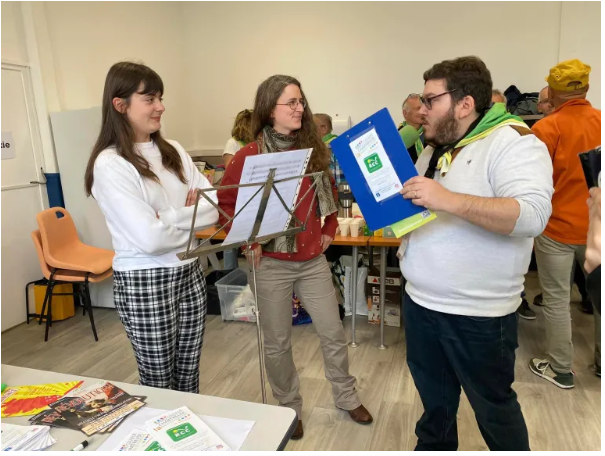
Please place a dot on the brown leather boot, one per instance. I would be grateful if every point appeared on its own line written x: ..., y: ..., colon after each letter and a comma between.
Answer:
x: 361, y: 415
x: 298, y: 432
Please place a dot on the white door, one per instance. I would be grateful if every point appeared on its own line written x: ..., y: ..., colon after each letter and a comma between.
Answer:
x: 21, y: 200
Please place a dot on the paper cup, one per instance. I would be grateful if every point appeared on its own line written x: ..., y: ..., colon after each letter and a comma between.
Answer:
x: 344, y: 229
x: 354, y: 228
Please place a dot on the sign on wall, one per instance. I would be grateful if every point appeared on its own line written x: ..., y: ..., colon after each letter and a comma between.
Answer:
x: 8, y: 145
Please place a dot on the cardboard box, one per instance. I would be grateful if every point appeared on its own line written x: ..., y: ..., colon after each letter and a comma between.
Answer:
x: 393, y: 286
x: 392, y: 316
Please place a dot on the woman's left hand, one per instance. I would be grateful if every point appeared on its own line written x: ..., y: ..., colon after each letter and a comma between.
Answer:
x: 191, y: 197
x: 325, y: 242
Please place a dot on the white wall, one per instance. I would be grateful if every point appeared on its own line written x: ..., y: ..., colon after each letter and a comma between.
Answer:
x: 354, y: 58
x: 86, y: 38
x: 581, y: 39
x: 13, y: 35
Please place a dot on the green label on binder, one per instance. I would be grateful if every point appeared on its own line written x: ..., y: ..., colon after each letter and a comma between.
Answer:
x: 373, y: 163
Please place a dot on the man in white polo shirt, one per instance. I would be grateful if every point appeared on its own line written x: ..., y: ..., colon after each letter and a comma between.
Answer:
x: 490, y: 182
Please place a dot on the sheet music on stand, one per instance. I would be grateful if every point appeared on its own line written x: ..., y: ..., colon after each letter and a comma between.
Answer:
x: 256, y: 171
x: 267, y: 200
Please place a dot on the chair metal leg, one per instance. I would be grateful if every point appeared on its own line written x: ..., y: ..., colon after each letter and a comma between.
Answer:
x: 83, y: 301
x: 49, y: 287
x: 27, y: 300
x: 89, y: 306
x: 49, y: 312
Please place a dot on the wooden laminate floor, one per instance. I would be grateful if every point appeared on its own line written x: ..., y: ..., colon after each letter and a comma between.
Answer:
x: 557, y: 419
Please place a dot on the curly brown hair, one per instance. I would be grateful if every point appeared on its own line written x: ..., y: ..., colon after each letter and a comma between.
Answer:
x: 267, y: 94
x: 241, y: 127
x: 467, y: 76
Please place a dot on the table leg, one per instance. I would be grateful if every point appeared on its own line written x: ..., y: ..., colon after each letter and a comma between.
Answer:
x: 354, y: 296
x: 383, y: 279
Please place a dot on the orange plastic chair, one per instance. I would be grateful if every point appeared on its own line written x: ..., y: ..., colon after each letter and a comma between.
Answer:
x: 62, y: 247
x: 60, y: 276
x: 65, y: 259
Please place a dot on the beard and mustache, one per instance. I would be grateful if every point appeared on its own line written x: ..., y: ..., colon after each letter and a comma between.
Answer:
x: 445, y: 130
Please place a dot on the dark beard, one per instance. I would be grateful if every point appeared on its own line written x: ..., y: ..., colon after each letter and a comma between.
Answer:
x: 446, y: 129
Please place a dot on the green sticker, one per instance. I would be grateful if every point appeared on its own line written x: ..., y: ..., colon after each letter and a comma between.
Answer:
x: 373, y: 163
x: 181, y: 432
x: 155, y: 446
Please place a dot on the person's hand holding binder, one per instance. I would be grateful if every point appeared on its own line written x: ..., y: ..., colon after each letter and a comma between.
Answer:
x: 428, y: 193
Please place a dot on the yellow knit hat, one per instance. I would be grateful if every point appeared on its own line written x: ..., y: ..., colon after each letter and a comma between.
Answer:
x: 568, y: 76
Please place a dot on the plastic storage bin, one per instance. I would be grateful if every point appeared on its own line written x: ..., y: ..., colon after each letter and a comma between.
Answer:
x: 237, y: 300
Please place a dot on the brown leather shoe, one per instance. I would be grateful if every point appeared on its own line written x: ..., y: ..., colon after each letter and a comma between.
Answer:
x: 361, y: 415
x: 298, y: 432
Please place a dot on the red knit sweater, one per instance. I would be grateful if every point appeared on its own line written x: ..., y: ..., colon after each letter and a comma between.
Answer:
x: 307, y: 242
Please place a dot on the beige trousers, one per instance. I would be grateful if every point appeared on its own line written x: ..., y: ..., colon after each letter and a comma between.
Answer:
x: 555, y: 271
x: 312, y: 282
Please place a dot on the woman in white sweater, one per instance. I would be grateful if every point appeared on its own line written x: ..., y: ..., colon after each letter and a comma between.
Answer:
x: 145, y: 187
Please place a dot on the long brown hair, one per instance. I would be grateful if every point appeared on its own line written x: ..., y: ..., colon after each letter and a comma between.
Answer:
x: 267, y: 95
x: 122, y: 81
x: 241, y: 127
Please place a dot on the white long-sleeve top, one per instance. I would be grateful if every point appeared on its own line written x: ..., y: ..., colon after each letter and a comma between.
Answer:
x: 455, y: 267
x: 132, y: 204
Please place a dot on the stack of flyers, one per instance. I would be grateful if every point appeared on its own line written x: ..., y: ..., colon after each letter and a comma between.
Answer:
x: 182, y: 430
x: 25, y: 438
x: 53, y: 418
x: 32, y: 399
x: 139, y: 440
x: 98, y: 408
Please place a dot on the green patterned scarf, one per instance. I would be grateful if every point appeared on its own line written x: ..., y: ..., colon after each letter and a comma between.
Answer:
x: 270, y: 141
x: 495, y: 118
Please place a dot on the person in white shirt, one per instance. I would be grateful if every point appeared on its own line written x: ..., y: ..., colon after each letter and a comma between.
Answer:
x: 240, y: 135
x: 489, y: 180
x: 146, y: 188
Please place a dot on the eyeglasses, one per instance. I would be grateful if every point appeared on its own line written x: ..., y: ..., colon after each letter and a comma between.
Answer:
x: 547, y: 100
x: 294, y: 104
x: 428, y: 101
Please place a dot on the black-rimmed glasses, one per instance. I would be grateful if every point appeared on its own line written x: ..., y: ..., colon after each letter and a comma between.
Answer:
x: 428, y: 101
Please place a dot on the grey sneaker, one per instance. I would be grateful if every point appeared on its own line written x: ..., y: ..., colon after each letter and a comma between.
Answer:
x: 541, y: 367
x: 524, y: 311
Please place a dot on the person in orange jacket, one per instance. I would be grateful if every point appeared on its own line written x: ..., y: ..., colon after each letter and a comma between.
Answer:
x: 573, y: 127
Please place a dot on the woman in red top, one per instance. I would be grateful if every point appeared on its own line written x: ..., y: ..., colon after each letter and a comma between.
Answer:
x: 283, y: 121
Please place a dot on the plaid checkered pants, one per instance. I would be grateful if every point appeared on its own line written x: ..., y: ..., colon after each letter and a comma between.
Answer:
x: 164, y: 313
